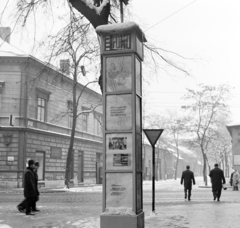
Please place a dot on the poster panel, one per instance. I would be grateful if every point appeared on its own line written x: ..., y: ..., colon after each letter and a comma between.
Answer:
x: 119, y: 151
x: 119, y: 112
x: 139, y: 152
x: 119, y: 73
x: 138, y: 114
x: 119, y: 190
x: 139, y: 47
x: 139, y: 192
x: 138, y: 76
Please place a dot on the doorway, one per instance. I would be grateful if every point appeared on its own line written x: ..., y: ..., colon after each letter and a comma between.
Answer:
x: 99, y: 165
x: 40, y: 157
x: 80, y: 166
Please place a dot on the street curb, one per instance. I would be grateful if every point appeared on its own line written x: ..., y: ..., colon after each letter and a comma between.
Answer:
x: 211, y: 187
x: 20, y: 191
x: 47, y: 190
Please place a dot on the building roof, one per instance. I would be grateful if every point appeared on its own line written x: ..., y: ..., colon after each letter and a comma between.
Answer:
x: 8, y: 50
x: 233, y: 124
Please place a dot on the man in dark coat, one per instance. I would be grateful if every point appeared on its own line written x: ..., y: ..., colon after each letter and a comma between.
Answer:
x: 188, y: 178
x: 217, y: 179
x: 34, y: 209
x: 30, y: 191
x: 22, y: 206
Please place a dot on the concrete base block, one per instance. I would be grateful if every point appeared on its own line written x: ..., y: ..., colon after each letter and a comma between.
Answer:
x: 122, y: 221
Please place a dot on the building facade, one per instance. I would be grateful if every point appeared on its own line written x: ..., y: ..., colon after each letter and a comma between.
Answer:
x: 234, y: 130
x: 36, y: 120
x: 165, y: 161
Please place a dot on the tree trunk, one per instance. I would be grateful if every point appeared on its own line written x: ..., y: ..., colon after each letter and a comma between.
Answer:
x: 195, y: 163
x: 176, y: 168
x: 204, y: 168
x: 226, y: 165
x: 144, y: 169
x: 70, y: 148
x: 157, y: 174
x: 165, y: 166
x: 90, y: 13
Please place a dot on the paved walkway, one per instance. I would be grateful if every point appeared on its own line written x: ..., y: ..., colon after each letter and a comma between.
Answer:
x: 82, y: 209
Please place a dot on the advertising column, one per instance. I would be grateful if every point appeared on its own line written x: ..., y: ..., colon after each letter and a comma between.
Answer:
x: 122, y: 55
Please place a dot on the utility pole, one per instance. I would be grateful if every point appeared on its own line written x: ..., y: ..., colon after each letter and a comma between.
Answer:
x: 121, y: 8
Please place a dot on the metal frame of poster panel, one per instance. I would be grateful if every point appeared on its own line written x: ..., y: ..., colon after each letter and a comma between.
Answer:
x: 116, y: 71
x: 122, y: 131
x: 139, y: 93
x: 119, y: 189
x: 119, y: 111
x: 137, y: 132
x: 119, y: 152
x: 140, y: 54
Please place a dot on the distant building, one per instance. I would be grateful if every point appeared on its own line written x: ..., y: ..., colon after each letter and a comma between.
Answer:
x: 234, y: 130
x: 36, y: 121
x: 165, y: 161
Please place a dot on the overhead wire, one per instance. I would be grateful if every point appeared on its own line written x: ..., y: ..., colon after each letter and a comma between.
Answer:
x: 170, y: 16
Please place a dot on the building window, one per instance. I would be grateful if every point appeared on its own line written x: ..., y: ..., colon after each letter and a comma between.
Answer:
x: 85, y: 116
x: 41, y: 110
x: 42, y: 100
x: 98, y: 123
x: 84, y: 122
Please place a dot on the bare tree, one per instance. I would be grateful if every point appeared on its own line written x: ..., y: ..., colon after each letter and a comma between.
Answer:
x: 73, y: 44
x: 177, y: 128
x: 209, y: 106
x: 96, y: 12
x: 220, y: 148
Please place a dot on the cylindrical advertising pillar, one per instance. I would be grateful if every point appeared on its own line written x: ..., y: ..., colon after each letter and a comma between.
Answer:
x: 122, y: 56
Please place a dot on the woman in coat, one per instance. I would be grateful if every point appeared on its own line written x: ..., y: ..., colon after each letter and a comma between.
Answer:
x: 235, y: 180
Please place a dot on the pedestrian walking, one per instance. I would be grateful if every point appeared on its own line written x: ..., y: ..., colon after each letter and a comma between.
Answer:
x: 217, y: 179
x: 188, y: 179
x: 30, y: 191
x: 22, y: 206
x: 34, y: 208
x: 231, y: 178
x: 235, y: 180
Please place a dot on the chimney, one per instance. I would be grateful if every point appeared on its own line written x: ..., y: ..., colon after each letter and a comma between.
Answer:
x: 5, y: 33
x: 64, y: 66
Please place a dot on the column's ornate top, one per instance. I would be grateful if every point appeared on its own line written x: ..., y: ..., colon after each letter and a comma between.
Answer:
x: 120, y: 28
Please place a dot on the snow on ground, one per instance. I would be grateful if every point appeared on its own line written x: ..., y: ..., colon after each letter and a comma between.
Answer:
x: 169, y: 184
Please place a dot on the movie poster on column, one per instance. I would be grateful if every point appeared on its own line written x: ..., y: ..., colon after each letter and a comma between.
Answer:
x: 138, y: 76
x: 138, y: 114
x: 119, y: 73
x: 139, y: 191
x: 119, y: 151
x: 119, y: 112
x: 119, y: 190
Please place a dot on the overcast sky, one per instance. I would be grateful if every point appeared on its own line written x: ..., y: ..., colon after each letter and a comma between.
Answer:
x: 205, y: 32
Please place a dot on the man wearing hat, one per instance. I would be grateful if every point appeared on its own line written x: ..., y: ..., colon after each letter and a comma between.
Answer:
x: 217, y: 179
x: 188, y: 179
x: 34, y: 209
x: 30, y: 191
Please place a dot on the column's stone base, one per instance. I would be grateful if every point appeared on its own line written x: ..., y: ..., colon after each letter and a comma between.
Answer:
x: 122, y: 221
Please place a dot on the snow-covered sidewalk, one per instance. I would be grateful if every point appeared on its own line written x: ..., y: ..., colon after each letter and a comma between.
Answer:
x: 169, y: 184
